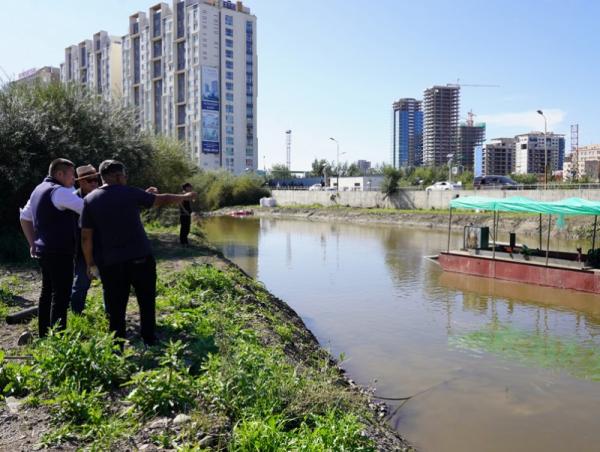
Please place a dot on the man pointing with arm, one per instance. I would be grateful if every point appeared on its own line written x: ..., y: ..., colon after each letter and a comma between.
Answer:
x: 115, y: 243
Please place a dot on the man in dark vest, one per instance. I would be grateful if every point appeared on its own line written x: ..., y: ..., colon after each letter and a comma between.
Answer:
x: 48, y: 221
x: 115, y: 244
x: 87, y: 179
x: 185, y: 216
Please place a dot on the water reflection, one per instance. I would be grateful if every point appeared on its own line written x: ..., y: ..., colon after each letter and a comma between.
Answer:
x: 367, y: 291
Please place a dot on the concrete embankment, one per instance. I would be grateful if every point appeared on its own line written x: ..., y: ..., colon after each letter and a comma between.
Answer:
x: 415, y: 199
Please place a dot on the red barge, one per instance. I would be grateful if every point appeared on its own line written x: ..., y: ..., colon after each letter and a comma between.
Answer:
x: 514, y: 262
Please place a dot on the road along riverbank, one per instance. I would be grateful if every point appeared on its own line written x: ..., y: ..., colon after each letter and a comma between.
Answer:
x: 236, y: 369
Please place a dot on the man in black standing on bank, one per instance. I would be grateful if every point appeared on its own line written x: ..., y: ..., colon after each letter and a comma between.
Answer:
x: 185, y: 216
x: 114, y: 243
x: 49, y: 221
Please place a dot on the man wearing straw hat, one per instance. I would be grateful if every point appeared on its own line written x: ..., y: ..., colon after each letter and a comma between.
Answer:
x: 87, y: 179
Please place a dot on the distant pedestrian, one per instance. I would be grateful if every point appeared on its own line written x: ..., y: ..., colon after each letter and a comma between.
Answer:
x: 48, y: 221
x: 185, y: 215
x: 113, y: 239
x: 87, y: 179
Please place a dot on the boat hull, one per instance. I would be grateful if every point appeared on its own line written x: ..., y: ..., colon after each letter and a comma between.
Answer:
x: 585, y: 280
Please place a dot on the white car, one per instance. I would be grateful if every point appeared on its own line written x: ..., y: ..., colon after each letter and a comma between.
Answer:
x: 443, y: 186
x: 315, y: 187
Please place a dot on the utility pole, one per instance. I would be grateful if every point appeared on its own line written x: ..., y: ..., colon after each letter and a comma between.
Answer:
x: 288, y: 148
x: 540, y: 112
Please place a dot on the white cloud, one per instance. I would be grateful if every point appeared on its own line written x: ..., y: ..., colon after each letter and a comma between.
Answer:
x: 525, y: 120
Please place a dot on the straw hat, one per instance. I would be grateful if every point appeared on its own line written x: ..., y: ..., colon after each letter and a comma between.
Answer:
x: 85, y: 171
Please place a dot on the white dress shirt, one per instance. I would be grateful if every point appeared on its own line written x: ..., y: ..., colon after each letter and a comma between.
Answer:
x: 63, y: 198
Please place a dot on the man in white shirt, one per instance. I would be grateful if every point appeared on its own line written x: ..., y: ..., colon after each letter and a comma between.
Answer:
x: 49, y: 223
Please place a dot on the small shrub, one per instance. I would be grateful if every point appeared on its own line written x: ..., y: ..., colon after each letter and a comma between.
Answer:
x: 15, y: 378
x: 91, y: 362
x: 77, y: 407
x: 204, y: 277
x: 164, y: 391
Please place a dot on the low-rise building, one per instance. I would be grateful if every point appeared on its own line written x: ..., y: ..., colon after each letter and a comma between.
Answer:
x: 45, y: 75
x: 589, y: 153
x: 359, y: 183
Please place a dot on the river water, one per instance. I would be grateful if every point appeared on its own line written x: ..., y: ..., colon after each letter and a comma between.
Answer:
x: 495, y: 366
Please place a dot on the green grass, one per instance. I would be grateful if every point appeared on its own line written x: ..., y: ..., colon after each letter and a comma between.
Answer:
x: 221, y: 360
x: 579, y: 360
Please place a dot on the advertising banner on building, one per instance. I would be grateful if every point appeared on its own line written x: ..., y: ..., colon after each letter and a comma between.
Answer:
x: 210, y: 110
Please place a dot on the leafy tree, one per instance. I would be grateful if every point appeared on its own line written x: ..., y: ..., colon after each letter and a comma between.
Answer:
x: 391, y: 177
x: 280, y: 171
x: 317, y: 167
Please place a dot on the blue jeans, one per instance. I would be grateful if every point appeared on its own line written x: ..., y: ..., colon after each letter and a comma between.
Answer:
x: 81, y: 284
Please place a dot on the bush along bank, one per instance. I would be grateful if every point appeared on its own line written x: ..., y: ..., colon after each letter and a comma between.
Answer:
x: 236, y: 370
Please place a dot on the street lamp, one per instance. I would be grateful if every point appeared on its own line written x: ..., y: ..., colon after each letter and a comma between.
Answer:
x: 540, y: 112
x: 338, y: 162
x: 450, y: 156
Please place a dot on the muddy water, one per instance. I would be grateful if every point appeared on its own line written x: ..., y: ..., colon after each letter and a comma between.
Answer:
x: 495, y: 366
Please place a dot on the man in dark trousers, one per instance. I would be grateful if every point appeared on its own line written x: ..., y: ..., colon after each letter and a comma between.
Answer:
x: 185, y: 216
x: 49, y: 223
x: 115, y: 244
x: 87, y: 179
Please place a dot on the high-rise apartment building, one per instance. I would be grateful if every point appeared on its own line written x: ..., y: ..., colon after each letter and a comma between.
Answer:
x: 499, y: 157
x: 440, y: 124
x: 96, y: 65
x: 190, y: 70
x: 407, y: 133
x: 530, y: 152
x: 364, y: 166
x: 470, y: 134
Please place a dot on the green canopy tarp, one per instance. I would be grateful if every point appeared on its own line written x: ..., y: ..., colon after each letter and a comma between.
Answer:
x: 569, y: 206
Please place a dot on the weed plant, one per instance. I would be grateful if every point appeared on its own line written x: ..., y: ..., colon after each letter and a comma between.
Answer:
x: 224, y: 356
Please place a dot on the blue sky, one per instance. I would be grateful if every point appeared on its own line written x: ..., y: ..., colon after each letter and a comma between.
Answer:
x: 334, y: 68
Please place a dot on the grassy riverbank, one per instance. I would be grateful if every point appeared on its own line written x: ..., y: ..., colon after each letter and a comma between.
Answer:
x: 575, y: 228
x: 236, y: 369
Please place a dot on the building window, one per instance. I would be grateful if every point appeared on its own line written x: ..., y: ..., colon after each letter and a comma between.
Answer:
x: 229, y: 53
x: 228, y: 20
x: 229, y: 97
x: 229, y: 119
x: 229, y: 130
x: 180, y: 55
x: 180, y: 87
x: 156, y: 49
x: 180, y: 114
x: 156, y: 69
x: 156, y: 24
x: 229, y: 32
x: 229, y: 64
x: 229, y: 75
x: 229, y: 43
x: 229, y: 86
x: 229, y: 108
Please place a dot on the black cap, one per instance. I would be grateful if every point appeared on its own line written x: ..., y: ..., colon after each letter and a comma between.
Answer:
x: 111, y: 167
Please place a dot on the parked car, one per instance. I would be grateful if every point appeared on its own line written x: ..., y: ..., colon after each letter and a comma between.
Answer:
x: 443, y: 186
x: 498, y: 182
x: 315, y: 187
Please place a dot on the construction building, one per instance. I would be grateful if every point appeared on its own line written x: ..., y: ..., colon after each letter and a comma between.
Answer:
x: 95, y: 64
x: 499, y: 157
x: 407, y: 133
x: 470, y: 135
x: 530, y: 152
x: 440, y: 124
x: 190, y: 70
